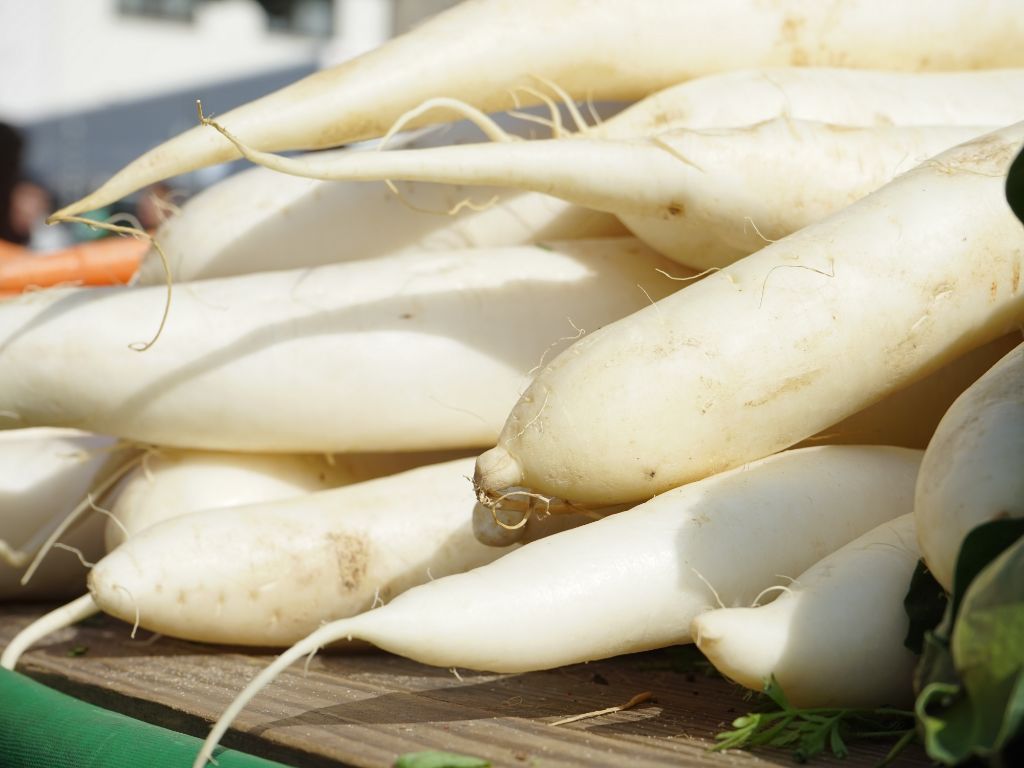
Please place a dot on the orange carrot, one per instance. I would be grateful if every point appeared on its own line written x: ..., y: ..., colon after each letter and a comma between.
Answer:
x: 110, y: 261
x: 8, y: 250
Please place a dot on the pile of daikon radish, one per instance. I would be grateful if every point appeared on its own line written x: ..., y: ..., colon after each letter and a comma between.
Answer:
x: 706, y: 343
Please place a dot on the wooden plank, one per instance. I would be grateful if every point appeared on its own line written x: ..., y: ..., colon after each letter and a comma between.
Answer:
x: 363, y: 710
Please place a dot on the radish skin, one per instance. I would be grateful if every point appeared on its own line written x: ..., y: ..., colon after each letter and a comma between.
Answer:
x: 779, y: 345
x: 268, y: 574
x: 832, y: 638
x: 634, y: 580
x: 909, y: 416
x: 309, y: 360
x: 46, y: 472
x: 258, y: 221
x: 603, y: 54
x: 972, y: 469
x: 173, y: 482
x: 828, y: 95
x: 702, y: 198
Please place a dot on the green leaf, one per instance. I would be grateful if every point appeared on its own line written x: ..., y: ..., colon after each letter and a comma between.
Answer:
x: 972, y: 701
x: 980, y: 547
x: 947, y: 733
x: 924, y: 605
x: 433, y: 759
x: 1015, y: 186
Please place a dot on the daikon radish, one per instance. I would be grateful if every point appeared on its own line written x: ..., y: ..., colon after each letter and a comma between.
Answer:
x: 834, y: 636
x: 483, y: 50
x: 702, y: 198
x: 779, y: 345
x: 909, y: 416
x: 269, y: 574
x: 174, y: 482
x: 45, y: 474
x: 827, y: 95
x: 973, y: 470
x: 257, y: 221
x: 629, y: 582
x: 420, y: 351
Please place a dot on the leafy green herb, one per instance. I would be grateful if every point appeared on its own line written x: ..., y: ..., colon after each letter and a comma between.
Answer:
x: 433, y: 759
x: 810, y: 732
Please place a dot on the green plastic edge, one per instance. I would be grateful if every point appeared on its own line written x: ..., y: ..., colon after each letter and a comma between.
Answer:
x: 43, y: 728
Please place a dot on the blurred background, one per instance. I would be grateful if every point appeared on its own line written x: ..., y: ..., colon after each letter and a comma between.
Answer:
x: 88, y: 85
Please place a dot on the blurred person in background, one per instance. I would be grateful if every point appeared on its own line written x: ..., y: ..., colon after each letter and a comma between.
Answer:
x: 11, y: 147
x: 24, y: 203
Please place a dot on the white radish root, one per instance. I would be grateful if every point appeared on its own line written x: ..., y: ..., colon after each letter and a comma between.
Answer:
x: 834, y: 637
x: 702, y: 198
x: 503, y: 44
x: 779, y: 345
x: 440, y: 343
x: 973, y: 470
x: 634, y: 580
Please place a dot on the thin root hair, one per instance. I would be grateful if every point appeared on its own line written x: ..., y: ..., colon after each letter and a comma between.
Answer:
x: 452, y: 211
x: 750, y: 221
x: 764, y: 285
x: 535, y: 418
x: 309, y: 660
x: 580, y: 332
x: 135, y: 604
x: 513, y: 526
x: 127, y: 220
x: 76, y: 551
x: 707, y: 584
x: 140, y: 234
x: 698, y: 276
x: 658, y: 141
x: 114, y: 518
x: 775, y: 588
x: 75, y: 514
x: 567, y: 100
x: 488, y: 126
x: 554, y: 122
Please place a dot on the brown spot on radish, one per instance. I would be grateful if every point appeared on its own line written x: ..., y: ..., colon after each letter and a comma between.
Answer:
x: 1015, y: 279
x: 675, y: 209
x: 790, y: 33
x: 406, y: 316
x: 989, y: 154
x: 352, y: 555
x: 182, y: 597
x: 993, y: 289
x: 789, y: 385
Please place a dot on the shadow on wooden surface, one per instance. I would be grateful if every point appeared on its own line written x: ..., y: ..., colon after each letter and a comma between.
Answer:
x: 365, y: 709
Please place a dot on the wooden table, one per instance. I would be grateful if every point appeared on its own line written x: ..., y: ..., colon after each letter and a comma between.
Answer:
x: 366, y: 709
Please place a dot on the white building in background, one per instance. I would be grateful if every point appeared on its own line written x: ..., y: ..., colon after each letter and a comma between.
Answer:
x: 95, y: 82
